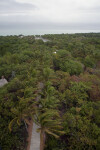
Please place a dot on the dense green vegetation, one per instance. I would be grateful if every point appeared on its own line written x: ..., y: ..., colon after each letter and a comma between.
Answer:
x: 67, y: 107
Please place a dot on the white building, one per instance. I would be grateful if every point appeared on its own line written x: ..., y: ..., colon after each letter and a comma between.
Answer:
x: 3, y: 81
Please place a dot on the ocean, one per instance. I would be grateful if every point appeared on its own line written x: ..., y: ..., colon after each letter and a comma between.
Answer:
x: 42, y: 32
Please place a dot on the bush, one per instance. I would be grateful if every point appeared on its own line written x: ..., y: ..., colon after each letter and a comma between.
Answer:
x: 72, y: 67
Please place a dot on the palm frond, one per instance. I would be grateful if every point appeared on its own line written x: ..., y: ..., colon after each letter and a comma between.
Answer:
x: 57, y: 131
x: 51, y: 133
x: 18, y: 122
x: 11, y: 123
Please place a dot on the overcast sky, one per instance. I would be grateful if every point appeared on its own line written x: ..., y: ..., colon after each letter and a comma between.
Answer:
x: 49, y: 14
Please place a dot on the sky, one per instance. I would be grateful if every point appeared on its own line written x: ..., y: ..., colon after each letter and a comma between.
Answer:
x: 35, y: 15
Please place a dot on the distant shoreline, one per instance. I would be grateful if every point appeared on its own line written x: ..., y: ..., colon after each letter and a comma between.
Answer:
x: 47, y: 34
x: 43, y: 32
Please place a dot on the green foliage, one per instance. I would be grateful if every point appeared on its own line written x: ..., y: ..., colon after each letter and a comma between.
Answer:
x: 64, y: 54
x: 72, y: 67
x: 59, y: 91
x: 47, y: 72
x: 89, y: 62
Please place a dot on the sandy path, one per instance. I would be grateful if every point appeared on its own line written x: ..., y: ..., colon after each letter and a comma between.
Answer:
x: 35, y: 139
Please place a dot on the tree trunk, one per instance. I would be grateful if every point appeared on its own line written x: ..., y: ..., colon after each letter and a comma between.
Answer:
x: 42, y: 140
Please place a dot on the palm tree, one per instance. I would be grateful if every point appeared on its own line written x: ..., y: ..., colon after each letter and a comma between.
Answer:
x: 47, y: 73
x: 49, y: 99
x: 23, y: 112
x: 50, y: 123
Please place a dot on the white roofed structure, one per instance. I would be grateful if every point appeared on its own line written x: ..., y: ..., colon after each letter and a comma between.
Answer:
x: 3, y: 81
